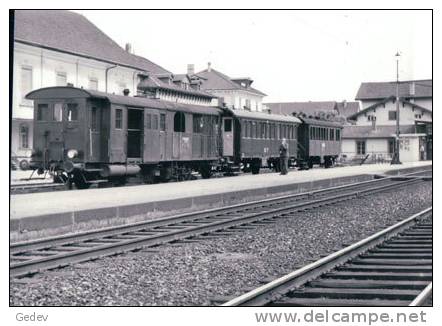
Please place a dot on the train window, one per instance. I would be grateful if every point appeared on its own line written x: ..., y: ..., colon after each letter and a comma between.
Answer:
x: 250, y: 129
x: 162, y: 122
x: 154, y: 122
x: 263, y: 130
x: 327, y: 133
x: 332, y: 134
x: 148, y: 121
x: 72, y: 112
x: 42, y: 112
x: 58, y: 112
x: 118, y: 118
x: 228, y: 125
x: 316, y: 133
x: 338, y: 134
x: 94, y: 120
x: 266, y: 130
x: 179, y: 122
x: 197, y: 123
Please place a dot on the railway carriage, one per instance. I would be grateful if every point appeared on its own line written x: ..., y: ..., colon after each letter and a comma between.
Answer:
x: 252, y: 139
x: 87, y: 137
x: 319, y: 142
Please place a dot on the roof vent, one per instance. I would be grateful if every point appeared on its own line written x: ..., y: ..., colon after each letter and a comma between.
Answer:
x: 209, y: 67
x: 128, y: 47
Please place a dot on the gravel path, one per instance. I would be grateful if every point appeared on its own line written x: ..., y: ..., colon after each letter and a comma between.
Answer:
x: 194, y: 272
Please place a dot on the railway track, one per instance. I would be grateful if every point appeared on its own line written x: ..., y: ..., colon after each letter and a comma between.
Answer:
x: 34, y: 256
x: 390, y: 268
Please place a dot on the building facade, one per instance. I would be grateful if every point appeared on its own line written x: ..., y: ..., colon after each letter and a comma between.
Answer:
x: 373, y: 129
x: 60, y: 48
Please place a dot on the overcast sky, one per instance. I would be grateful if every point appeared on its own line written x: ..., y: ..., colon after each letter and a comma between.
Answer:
x: 290, y: 55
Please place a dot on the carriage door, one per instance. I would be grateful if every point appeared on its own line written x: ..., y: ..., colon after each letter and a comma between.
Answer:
x: 228, y: 136
x: 94, y: 134
x: 163, y: 136
x: 151, y: 136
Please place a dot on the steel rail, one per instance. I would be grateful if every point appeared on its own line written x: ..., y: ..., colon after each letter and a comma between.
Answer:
x: 423, y: 296
x: 297, y: 278
x: 34, y: 265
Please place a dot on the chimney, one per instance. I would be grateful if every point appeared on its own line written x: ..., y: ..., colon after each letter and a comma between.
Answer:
x: 412, y: 89
x: 344, y: 103
x: 209, y: 67
x: 191, y: 69
x: 126, y: 91
x: 128, y: 47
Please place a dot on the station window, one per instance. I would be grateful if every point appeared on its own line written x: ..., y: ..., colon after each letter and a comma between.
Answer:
x: 118, y: 118
x: 179, y: 122
x: 42, y: 112
x: 60, y: 78
x: 162, y: 122
x: 58, y: 112
x: 26, y: 81
x: 72, y: 113
x: 360, y: 147
x: 391, y: 115
x: 24, y: 136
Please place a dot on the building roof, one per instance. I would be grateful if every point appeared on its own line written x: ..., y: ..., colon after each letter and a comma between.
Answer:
x: 73, y: 92
x: 352, y: 132
x: 381, y: 90
x: 383, y: 101
x: 304, y: 107
x: 66, y: 31
x: 347, y: 109
x: 215, y: 80
x: 153, y: 82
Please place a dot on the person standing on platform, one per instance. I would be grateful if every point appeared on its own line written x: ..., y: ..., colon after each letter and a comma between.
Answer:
x: 284, y: 156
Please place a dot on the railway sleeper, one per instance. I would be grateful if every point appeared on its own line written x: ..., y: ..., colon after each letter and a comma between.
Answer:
x: 368, y: 284
x: 379, y: 276
x: 350, y: 293
x: 309, y: 302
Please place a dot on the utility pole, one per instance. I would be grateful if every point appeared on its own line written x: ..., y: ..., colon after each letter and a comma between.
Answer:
x: 395, y: 159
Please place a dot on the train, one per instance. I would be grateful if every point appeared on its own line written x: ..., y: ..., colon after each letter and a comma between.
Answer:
x: 85, y: 137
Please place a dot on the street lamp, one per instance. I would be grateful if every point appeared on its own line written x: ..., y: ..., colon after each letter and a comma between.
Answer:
x: 395, y: 159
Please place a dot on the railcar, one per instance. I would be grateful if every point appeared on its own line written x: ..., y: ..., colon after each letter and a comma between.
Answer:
x: 251, y: 140
x: 85, y: 137
x: 319, y: 142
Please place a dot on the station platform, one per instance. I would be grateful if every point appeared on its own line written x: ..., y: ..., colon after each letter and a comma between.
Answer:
x: 43, y: 214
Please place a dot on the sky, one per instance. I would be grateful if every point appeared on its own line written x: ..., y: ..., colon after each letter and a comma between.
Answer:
x: 290, y: 55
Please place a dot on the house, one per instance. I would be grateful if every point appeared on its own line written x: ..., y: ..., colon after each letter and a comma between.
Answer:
x: 235, y: 93
x: 59, y: 48
x: 374, y: 127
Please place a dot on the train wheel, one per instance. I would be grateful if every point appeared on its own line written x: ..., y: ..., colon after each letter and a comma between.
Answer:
x: 80, y: 181
x: 255, y: 168
x: 206, y: 171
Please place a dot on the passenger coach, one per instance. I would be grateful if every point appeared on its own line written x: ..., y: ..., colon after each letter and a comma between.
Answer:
x: 319, y: 142
x: 252, y: 139
x: 87, y: 137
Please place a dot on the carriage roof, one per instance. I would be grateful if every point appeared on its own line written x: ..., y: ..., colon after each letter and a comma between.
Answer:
x: 65, y: 92
x: 244, y: 114
x: 322, y: 123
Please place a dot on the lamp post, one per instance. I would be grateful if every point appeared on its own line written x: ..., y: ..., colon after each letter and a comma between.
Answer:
x: 395, y: 159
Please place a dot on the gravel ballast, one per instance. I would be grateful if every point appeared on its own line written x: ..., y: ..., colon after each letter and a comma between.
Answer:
x: 193, y: 273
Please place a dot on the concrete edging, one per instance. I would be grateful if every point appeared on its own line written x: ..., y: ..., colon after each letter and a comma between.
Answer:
x: 77, y: 220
